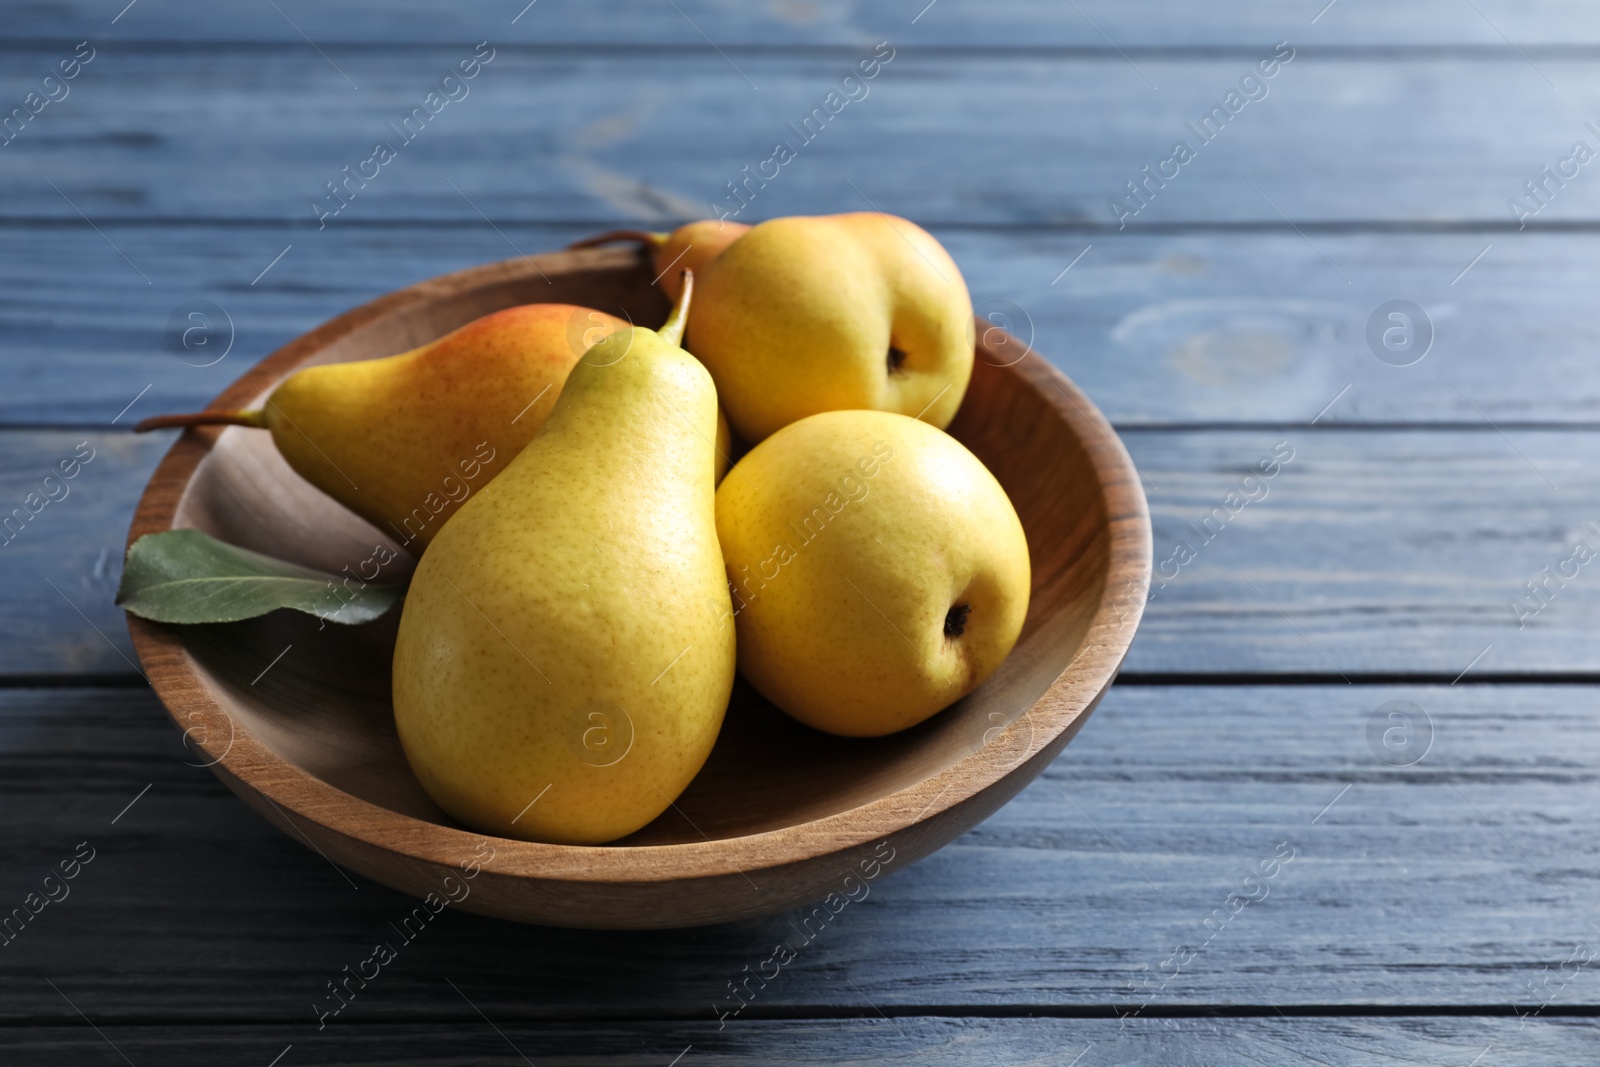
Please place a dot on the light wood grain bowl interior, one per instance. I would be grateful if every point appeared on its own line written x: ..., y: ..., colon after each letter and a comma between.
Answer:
x: 780, y: 814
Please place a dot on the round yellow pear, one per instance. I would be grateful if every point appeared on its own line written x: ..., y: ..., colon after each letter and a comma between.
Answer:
x: 879, y: 571
x: 821, y: 313
x: 688, y: 248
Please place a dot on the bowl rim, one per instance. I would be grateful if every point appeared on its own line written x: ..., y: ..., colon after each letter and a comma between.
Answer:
x: 238, y: 756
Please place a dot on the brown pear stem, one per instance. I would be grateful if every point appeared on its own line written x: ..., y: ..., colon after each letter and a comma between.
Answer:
x: 672, y: 330
x: 641, y: 237
x: 257, y: 419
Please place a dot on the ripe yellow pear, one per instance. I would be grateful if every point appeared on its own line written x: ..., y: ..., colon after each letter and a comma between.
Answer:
x: 688, y: 248
x: 879, y: 570
x: 810, y: 314
x: 564, y: 656
x: 404, y: 441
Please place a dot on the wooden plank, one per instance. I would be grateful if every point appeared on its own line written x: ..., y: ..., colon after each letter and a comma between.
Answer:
x: 1016, y: 140
x: 1005, y: 23
x: 1464, y: 879
x: 970, y: 1042
x: 1368, y: 552
x: 1213, y: 328
x: 61, y: 547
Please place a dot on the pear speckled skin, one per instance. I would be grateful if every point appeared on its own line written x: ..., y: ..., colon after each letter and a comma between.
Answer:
x: 565, y: 655
x: 799, y: 316
x: 849, y: 538
x: 403, y: 441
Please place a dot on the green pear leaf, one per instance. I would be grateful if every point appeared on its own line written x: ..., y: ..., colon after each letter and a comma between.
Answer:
x: 186, y: 576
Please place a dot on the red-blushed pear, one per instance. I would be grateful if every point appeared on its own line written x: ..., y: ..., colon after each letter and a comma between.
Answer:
x: 879, y: 570
x: 565, y: 655
x: 809, y: 314
x: 403, y: 441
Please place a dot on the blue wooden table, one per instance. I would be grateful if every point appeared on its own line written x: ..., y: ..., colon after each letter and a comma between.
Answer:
x: 1341, y: 806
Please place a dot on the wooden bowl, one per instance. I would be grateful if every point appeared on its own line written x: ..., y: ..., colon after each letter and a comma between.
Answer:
x: 294, y: 715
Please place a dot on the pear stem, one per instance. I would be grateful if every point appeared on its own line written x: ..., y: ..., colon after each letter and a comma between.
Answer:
x: 257, y: 419
x: 672, y: 330
x: 642, y: 237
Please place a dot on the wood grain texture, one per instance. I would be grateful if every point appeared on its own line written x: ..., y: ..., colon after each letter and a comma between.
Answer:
x: 1331, y: 570
x: 61, y: 566
x: 184, y: 134
x: 316, y: 740
x: 1404, y: 891
x: 1000, y: 23
x: 1214, y: 328
x: 1392, y: 552
x: 1285, y: 1040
